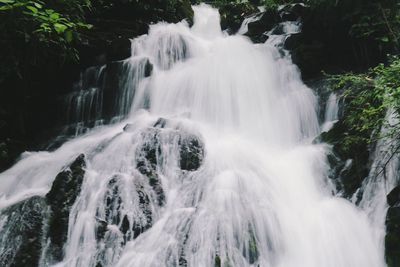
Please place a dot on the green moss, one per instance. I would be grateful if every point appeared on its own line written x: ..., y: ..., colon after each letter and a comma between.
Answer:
x: 253, y: 249
x: 217, y: 261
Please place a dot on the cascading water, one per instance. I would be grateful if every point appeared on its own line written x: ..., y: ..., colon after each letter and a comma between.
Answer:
x: 331, y: 112
x: 215, y: 166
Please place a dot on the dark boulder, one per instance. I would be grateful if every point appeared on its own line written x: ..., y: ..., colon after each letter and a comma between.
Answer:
x: 292, y: 12
x: 191, y: 151
x: 149, y: 156
x: 148, y: 69
x: 63, y: 194
x: 292, y: 41
x: 232, y: 15
x: 265, y: 23
x: 392, y: 239
x: 146, y: 161
x: 21, y: 236
x: 114, y: 215
x: 160, y: 123
x: 393, y: 197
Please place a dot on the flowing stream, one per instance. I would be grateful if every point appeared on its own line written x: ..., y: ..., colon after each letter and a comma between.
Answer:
x: 255, y: 190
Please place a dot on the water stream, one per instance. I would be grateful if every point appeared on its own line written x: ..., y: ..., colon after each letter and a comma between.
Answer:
x: 260, y: 195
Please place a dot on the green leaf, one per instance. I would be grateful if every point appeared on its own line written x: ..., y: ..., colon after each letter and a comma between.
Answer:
x: 49, y: 11
x: 54, y: 16
x: 4, y: 8
x: 385, y: 39
x: 33, y: 9
x: 69, y: 36
x: 60, y: 28
x: 39, y: 6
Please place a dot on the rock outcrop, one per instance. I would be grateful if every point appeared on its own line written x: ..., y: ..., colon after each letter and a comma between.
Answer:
x: 392, y: 239
x: 63, y: 194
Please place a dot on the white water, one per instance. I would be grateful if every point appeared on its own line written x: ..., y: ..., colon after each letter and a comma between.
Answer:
x: 261, y: 196
x: 245, y: 25
x: 383, y: 177
x: 331, y: 112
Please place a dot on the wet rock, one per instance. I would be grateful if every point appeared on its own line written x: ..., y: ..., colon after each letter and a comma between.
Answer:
x: 160, y: 123
x: 147, y: 161
x: 101, y: 228
x: 149, y: 155
x: 144, y: 205
x: 191, y: 152
x: 113, y: 202
x: 128, y: 128
x: 130, y: 227
x: 21, y: 234
x: 232, y: 15
x: 292, y: 41
x: 267, y: 22
x: 392, y: 239
x: 393, y: 197
x: 148, y: 69
x: 292, y: 12
x: 63, y: 194
x: 349, y: 161
x: 278, y: 30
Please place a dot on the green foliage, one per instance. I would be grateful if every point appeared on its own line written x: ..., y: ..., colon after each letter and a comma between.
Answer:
x: 368, y: 97
x: 388, y: 81
x: 31, y: 30
x: 51, y: 25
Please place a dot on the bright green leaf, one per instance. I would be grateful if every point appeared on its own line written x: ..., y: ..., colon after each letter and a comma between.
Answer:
x: 60, y: 28
x: 33, y: 9
x: 54, y: 16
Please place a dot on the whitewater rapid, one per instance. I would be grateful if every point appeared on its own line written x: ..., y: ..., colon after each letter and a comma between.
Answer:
x: 261, y: 196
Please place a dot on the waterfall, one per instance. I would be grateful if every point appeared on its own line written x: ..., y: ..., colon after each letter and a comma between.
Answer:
x: 331, y: 112
x: 383, y: 177
x: 214, y: 165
